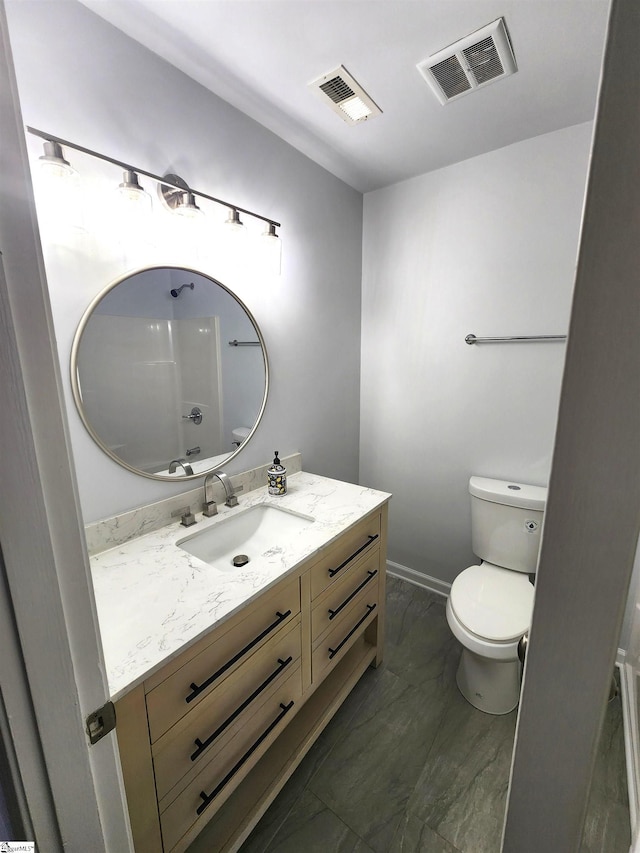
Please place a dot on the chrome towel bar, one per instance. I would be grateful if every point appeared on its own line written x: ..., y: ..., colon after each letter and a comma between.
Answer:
x: 471, y: 339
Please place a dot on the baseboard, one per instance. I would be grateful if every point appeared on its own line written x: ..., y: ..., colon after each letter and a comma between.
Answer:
x: 419, y: 579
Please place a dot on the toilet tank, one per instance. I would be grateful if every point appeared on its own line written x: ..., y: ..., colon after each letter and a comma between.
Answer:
x: 506, y: 522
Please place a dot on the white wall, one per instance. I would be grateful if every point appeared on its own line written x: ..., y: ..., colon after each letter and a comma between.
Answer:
x: 487, y: 246
x: 81, y: 79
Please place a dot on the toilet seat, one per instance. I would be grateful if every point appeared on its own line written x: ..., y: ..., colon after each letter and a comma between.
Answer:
x: 492, y: 603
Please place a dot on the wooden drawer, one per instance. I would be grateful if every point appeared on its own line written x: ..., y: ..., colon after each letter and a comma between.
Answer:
x: 211, y: 787
x: 194, y: 677
x: 350, y: 625
x: 361, y: 579
x: 200, y: 735
x: 364, y: 537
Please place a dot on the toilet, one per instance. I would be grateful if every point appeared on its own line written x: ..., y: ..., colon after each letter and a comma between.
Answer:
x: 239, y: 435
x: 490, y: 605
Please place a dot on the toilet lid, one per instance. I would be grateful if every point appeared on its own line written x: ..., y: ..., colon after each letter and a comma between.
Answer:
x: 493, y: 602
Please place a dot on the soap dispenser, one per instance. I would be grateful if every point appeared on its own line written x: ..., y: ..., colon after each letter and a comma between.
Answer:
x: 277, y: 477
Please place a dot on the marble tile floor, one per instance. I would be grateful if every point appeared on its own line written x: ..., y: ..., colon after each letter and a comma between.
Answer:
x: 408, y: 766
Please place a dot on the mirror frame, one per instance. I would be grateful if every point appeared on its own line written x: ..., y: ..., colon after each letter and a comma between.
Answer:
x: 75, y: 379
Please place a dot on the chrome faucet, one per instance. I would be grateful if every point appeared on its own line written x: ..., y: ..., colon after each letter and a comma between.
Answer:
x: 209, y: 506
x: 184, y: 465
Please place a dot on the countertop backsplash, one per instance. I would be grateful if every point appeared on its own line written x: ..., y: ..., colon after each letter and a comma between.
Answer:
x: 110, y: 532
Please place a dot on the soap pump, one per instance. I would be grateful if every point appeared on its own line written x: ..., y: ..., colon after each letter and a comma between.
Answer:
x: 277, y: 477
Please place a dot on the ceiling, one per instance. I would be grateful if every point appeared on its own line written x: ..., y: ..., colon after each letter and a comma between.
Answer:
x: 260, y: 56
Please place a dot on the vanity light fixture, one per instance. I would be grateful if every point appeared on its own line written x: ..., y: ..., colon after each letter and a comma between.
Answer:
x: 176, y: 194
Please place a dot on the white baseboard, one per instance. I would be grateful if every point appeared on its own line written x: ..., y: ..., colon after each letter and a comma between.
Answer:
x: 417, y: 578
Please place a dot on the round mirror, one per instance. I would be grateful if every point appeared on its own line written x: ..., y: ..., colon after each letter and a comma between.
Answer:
x: 169, y: 373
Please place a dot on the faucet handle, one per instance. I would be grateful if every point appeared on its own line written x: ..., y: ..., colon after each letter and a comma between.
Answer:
x: 187, y: 518
x: 209, y: 508
x: 232, y: 500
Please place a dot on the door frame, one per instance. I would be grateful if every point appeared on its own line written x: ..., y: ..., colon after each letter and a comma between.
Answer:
x: 46, y: 565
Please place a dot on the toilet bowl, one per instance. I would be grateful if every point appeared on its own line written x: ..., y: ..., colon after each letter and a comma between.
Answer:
x: 239, y: 435
x: 488, y: 612
x: 490, y: 605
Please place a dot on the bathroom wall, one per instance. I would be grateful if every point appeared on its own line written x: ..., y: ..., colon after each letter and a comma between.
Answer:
x: 487, y: 246
x: 81, y: 79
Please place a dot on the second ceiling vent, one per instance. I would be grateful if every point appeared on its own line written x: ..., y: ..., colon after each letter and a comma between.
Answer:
x: 471, y: 63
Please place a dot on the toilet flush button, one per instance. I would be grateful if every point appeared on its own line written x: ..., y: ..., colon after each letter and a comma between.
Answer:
x: 530, y: 526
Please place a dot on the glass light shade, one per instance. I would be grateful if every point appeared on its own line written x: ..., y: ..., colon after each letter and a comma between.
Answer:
x: 58, y: 195
x: 134, y: 199
x: 233, y: 223
x: 53, y: 165
x: 271, y: 250
x: 187, y: 208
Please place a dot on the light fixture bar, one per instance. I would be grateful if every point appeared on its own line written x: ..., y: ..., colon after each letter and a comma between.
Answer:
x: 48, y: 137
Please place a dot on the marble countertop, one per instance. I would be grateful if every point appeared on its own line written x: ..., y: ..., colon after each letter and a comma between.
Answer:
x: 153, y: 599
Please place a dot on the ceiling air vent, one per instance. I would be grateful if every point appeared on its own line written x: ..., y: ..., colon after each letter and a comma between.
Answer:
x: 471, y: 63
x: 345, y: 96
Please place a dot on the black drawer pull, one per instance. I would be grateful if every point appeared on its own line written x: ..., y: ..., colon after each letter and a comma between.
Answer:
x: 370, y: 575
x: 370, y: 538
x: 203, y: 744
x: 334, y: 652
x: 196, y: 689
x: 208, y: 798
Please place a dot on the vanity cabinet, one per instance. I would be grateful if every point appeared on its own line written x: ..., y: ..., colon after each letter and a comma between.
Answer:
x: 207, y: 742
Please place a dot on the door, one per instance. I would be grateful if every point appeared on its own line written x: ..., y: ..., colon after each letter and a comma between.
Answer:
x: 593, y: 509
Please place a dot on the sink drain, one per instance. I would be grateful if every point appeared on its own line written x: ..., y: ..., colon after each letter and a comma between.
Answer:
x: 240, y: 560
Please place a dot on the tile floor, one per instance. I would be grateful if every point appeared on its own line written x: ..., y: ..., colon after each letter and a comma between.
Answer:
x: 408, y: 766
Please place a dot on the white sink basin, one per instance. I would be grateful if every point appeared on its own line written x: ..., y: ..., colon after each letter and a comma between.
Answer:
x: 249, y: 534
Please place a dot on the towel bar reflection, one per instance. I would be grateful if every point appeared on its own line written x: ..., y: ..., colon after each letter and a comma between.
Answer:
x: 244, y: 343
x: 471, y: 339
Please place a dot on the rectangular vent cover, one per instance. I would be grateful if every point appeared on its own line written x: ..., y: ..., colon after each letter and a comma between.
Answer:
x: 345, y: 96
x: 471, y: 63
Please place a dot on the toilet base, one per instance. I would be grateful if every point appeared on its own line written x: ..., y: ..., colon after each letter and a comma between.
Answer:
x: 492, y: 686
